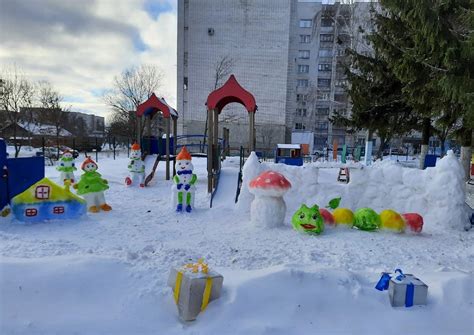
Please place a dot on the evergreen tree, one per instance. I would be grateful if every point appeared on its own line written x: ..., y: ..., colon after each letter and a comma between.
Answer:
x: 429, y: 46
x: 377, y: 100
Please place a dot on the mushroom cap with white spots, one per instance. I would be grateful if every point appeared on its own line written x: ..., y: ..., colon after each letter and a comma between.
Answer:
x: 269, y: 183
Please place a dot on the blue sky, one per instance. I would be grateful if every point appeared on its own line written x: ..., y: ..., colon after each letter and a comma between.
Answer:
x: 79, y: 46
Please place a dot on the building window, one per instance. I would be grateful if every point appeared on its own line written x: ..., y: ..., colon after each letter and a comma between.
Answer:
x: 340, y: 97
x: 303, y: 68
x: 303, y: 54
x: 302, y: 83
x: 324, y: 67
x: 58, y: 210
x: 321, y: 125
x: 31, y: 212
x: 320, y: 141
x: 42, y: 192
x: 322, y: 82
x: 323, y: 96
x: 327, y: 38
x: 299, y: 125
x: 301, y: 97
x: 305, y: 38
x: 322, y: 111
x: 306, y: 23
x: 327, y: 22
x: 341, y: 52
x: 301, y: 112
x: 185, y: 83
x: 325, y: 53
x: 341, y: 82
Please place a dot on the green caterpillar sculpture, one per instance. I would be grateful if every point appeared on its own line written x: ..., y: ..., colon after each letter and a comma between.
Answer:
x: 312, y: 220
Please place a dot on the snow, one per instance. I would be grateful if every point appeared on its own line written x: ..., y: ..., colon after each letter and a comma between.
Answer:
x: 43, y: 129
x: 107, y: 273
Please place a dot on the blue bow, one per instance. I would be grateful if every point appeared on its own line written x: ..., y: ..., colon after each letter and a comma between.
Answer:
x: 179, y: 173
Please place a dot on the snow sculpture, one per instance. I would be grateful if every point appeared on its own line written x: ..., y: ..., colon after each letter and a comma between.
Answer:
x: 194, y: 286
x: 327, y: 217
x: 136, y: 167
x: 413, y: 221
x: 46, y: 200
x: 308, y: 220
x: 251, y: 169
x: 268, y: 208
x: 92, y: 186
x: 184, y: 179
x: 391, y: 221
x: 404, y: 290
x: 343, y: 217
x: 366, y: 219
x: 67, y: 167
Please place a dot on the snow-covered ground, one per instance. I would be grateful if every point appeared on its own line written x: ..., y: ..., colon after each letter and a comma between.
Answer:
x: 106, y: 273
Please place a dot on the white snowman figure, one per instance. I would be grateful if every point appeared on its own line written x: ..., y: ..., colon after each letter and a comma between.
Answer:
x: 183, y: 190
x: 136, y: 167
x: 66, y: 167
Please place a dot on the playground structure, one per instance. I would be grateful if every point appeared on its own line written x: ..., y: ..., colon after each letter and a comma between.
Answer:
x: 157, y: 145
x: 230, y: 92
x: 289, y: 154
x: 18, y: 174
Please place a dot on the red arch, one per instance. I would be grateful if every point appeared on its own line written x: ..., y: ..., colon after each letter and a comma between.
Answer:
x: 231, y: 91
x: 154, y: 105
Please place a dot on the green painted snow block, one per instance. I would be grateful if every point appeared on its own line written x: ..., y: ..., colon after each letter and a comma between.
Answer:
x: 367, y: 219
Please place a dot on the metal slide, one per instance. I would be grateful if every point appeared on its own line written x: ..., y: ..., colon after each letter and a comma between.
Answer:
x: 152, y: 173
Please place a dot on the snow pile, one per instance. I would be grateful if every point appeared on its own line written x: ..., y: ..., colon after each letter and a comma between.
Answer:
x: 106, y: 273
x: 435, y: 193
x: 98, y: 295
x: 251, y: 169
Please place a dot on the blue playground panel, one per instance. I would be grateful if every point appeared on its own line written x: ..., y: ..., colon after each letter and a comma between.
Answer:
x: 154, y: 146
x: 289, y: 161
x: 430, y: 161
x: 20, y: 174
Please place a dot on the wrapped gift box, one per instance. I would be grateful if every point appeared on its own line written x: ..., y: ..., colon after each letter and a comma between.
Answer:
x: 407, y: 290
x: 194, y: 286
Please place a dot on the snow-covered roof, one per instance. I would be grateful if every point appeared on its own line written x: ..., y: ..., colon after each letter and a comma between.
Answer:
x: 43, y: 129
x: 289, y: 146
x: 172, y: 110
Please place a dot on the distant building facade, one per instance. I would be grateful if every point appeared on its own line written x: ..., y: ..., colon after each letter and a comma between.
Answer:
x: 287, y: 53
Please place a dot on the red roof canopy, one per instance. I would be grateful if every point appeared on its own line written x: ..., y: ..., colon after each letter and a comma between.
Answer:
x: 154, y: 105
x: 231, y: 91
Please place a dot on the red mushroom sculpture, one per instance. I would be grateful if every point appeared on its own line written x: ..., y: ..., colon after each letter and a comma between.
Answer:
x: 268, y: 209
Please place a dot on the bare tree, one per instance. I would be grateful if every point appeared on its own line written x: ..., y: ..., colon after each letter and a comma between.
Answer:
x: 222, y: 69
x: 53, y: 113
x: 132, y: 87
x: 17, y: 92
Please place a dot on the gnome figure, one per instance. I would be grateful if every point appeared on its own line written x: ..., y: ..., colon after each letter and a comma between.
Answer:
x: 136, y: 167
x: 92, y: 186
x: 66, y: 167
x: 183, y: 191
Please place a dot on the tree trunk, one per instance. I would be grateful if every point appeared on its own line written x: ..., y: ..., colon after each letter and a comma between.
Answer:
x: 425, y: 141
x: 466, y: 152
x: 383, y: 144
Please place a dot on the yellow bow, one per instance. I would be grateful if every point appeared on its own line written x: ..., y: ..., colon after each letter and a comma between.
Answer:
x: 200, y: 266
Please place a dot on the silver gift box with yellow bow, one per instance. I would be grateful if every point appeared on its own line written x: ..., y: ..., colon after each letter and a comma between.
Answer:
x: 194, y: 285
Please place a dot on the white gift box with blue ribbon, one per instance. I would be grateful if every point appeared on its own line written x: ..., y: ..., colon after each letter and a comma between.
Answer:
x: 404, y: 290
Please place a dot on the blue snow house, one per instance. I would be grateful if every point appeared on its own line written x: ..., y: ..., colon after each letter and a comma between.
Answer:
x: 46, y: 200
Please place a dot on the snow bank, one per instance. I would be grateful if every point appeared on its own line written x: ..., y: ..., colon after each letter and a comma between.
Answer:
x: 96, y: 295
x: 435, y: 193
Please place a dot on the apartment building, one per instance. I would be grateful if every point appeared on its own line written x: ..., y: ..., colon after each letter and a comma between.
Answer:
x: 287, y: 53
